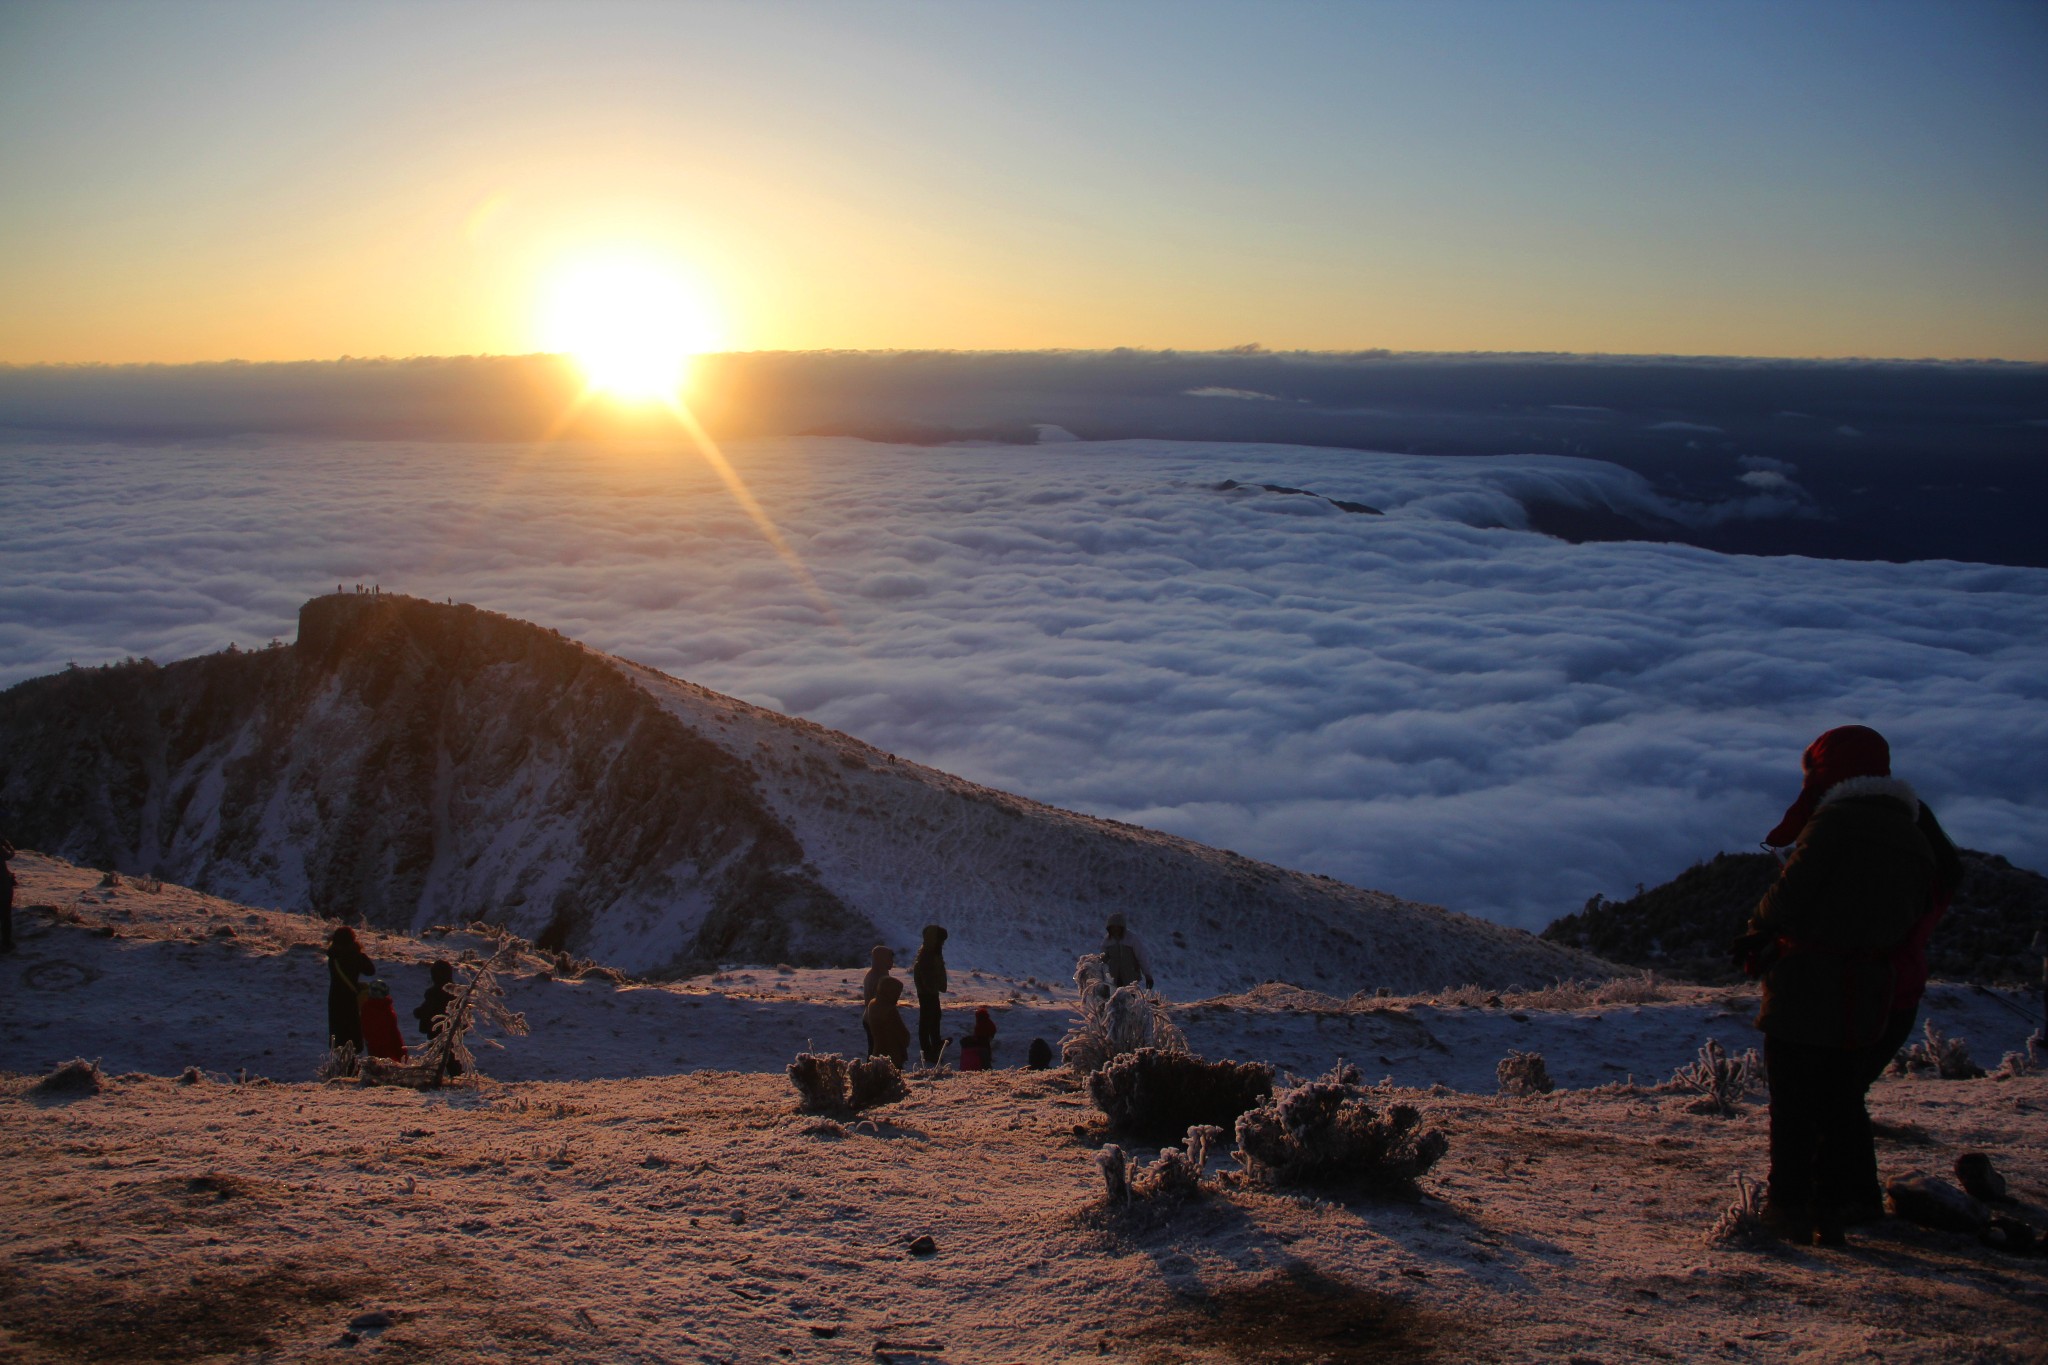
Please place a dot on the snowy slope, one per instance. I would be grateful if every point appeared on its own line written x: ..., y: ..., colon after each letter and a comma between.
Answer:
x: 159, y: 980
x: 415, y: 763
x: 609, y: 1209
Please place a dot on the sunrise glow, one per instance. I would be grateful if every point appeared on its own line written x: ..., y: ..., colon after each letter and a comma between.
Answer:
x: 632, y: 324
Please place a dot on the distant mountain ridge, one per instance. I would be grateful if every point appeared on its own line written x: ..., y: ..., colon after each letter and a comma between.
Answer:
x: 420, y: 763
x: 1683, y: 927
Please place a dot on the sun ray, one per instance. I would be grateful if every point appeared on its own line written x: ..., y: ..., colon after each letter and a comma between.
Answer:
x: 713, y: 456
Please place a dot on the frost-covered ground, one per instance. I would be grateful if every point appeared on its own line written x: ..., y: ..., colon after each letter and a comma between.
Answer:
x: 1433, y: 702
x: 632, y: 1182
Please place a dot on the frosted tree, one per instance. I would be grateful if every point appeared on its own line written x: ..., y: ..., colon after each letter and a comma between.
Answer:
x: 1116, y: 1020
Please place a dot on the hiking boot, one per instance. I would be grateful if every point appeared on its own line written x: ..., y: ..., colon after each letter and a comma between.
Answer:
x: 1787, y: 1222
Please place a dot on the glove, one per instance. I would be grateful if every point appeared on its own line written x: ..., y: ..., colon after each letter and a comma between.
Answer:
x: 1749, y: 951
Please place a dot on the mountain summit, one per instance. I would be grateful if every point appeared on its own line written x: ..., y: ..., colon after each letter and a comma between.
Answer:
x: 417, y: 763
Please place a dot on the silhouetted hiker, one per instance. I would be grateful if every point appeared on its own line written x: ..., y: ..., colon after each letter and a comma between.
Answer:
x: 433, y: 1008
x: 380, y: 1023
x: 2041, y: 948
x: 883, y: 959
x: 928, y: 971
x: 7, y: 851
x: 1040, y: 1055
x: 1123, y: 952
x: 978, y: 1048
x: 1841, y: 944
x: 887, y: 1034
x: 346, y: 965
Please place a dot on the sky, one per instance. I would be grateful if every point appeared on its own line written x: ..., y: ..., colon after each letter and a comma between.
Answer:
x: 206, y: 181
x: 1429, y: 702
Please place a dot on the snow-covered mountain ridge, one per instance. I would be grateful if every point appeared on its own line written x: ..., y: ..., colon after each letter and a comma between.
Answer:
x: 421, y: 763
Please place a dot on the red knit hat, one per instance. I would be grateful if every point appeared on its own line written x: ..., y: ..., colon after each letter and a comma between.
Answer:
x: 1842, y: 753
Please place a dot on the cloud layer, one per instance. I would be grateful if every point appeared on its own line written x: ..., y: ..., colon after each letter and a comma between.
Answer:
x: 1431, y: 702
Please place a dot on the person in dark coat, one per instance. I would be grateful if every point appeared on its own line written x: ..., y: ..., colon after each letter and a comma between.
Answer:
x: 887, y: 1037
x: 928, y: 973
x: 6, y: 898
x: 882, y: 961
x: 347, y: 965
x: 433, y: 1008
x: 1836, y: 940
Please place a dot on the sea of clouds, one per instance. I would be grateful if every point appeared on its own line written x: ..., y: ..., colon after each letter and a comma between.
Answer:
x: 1431, y: 701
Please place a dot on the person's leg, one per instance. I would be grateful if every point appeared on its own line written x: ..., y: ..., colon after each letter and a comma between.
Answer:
x: 1795, y: 1126
x: 1845, y: 1158
x: 928, y: 1027
x: 1857, y: 1193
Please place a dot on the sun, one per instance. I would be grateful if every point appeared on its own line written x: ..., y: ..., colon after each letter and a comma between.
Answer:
x: 631, y: 323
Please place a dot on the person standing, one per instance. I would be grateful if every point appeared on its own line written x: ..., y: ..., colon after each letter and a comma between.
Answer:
x: 1123, y: 952
x: 887, y: 1037
x: 928, y: 974
x: 881, y: 961
x: 433, y: 1008
x: 347, y: 965
x: 7, y: 851
x: 1833, y: 941
x: 2041, y: 948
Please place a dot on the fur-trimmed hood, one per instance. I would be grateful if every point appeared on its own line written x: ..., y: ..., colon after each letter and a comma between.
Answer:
x: 1895, y: 788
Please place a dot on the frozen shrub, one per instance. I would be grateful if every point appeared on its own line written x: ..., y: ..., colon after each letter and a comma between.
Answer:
x: 826, y: 1083
x: 1524, y: 1073
x: 1947, y: 1057
x: 2011, y: 1065
x: 1741, y: 1224
x: 1720, y: 1079
x: 873, y: 1080
x: 1175, y: 1176
x: 1159, y: 1095
x: 75, y: 1078
x: 1116, y: 1174
x: 338, y: 1063
x: 820, y: 1081
x: 1330, y: 1132
x: 1115, y: 1021
x: 191, y: 1075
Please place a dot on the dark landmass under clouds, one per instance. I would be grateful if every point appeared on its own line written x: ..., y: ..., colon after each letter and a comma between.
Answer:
x: 1683, y: 928
x: 1893, y: 460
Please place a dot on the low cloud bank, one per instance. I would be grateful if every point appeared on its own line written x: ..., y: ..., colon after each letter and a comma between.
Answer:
x: 1897, y: 460
x: 1431, y: 701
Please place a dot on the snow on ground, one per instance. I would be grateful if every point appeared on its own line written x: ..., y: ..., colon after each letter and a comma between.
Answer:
x: 632, y: 1182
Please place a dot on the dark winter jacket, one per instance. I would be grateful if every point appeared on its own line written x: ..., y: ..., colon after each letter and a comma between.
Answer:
x: 890, y: 1035
x: 435, y: 1004
x: 928, y: 972
x: 347, y: 964
x: 1861, y: 876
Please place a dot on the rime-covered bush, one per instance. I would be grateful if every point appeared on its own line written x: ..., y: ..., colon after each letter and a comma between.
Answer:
x: 826, y: 1083
x: 820, y: 1081
x: 1330, y: 1131
x: 1159, y: 1095
x: 338, y: 1063
x: 871, y: 1081
x: 1176, y: 1174
x: 2011, y: 1065
x: 1948, y: 1058
x: 1721, y: 1080
x: 1524, y: 1073
x: 1115, y: 1021
x: 1741, y: 1225
x: 76, y: 1077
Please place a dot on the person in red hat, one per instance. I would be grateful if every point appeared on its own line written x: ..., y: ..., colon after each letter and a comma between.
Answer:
x: 1840, y: 941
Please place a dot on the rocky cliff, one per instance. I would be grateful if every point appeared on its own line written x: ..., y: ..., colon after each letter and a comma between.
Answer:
x: 415, y: 763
